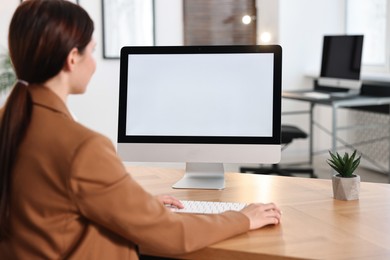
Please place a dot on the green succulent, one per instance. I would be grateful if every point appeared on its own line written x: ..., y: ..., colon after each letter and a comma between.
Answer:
x: 346, y: 165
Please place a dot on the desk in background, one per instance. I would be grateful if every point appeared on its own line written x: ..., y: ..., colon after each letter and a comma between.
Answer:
x: 314, y: 225
x: 359, y: 101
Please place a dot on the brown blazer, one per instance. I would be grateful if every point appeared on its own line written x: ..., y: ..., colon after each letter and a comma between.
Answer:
x: 73, y: 199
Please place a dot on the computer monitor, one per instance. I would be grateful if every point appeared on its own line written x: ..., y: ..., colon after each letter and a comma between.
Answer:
x: 202, y: 105
x: 341, y: 62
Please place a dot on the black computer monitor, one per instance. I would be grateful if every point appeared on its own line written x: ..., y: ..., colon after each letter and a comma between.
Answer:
x: 201, y: 105
x: 341, y: 62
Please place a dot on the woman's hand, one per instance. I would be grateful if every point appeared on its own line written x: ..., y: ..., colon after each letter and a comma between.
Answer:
x: 169, y: 200
x: 260, y: 214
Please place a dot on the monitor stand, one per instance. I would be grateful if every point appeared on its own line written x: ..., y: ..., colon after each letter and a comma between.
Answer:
x: 209, y: 176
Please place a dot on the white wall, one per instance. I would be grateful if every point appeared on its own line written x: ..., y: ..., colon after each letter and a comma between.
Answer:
x: 6, y: 9
x: 267, y: 20
x: 302, y: 25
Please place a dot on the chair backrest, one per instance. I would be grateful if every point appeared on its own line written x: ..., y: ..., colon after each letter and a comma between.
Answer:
x: 289, y: 133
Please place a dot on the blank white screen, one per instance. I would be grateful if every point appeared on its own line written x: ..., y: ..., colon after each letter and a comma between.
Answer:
x: 200, y: 95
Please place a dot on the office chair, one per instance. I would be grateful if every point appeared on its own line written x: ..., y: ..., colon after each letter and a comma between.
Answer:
x: 288, y: 134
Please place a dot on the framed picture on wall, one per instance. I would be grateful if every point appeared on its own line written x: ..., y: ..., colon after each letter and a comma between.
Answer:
x: 126, y: 23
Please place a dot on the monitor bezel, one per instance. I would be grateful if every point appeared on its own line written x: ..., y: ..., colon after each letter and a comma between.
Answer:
x: 276, y: 50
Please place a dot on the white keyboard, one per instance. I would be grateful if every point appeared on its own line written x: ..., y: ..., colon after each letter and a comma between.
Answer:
x: 208, y: 207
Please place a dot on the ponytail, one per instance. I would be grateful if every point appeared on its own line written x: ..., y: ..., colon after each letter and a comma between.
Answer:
x: 13, y: 125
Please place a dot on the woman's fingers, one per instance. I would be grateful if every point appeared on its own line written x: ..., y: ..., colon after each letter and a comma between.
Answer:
x: 170, y: 200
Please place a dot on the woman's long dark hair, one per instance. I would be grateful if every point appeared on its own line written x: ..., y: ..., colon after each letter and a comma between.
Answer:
x: 41, y: 35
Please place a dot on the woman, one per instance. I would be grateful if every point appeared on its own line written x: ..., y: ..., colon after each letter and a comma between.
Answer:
x: 64, y: 192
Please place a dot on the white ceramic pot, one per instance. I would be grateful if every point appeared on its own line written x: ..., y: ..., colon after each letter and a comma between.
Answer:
x: 346, y: 188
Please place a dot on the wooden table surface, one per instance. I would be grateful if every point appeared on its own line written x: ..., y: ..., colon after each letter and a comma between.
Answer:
x: 313, y: 226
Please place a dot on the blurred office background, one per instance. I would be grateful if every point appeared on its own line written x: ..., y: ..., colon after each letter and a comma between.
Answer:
x: 298, y: 26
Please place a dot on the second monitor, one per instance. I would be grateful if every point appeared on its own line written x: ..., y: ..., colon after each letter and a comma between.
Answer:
x: 341, y: 62
x: 201, y: 105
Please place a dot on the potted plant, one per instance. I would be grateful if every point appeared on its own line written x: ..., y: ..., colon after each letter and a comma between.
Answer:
x: 346, y: 184
x: 7, y: 77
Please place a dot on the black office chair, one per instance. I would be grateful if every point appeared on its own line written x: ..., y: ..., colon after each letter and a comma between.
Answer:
x: 288, y: 134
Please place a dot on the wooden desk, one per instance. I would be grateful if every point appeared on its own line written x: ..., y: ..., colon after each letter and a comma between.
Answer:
x: 314, y: 225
